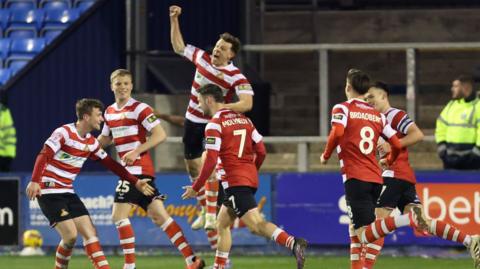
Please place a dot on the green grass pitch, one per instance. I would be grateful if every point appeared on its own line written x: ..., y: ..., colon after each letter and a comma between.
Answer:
x: 239, y: 262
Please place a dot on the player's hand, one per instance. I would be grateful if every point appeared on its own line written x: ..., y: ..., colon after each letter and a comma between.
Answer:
x: 145, y: 188
x: 130, y: 157
x: 383, y: 163
x: 189, y: 192
x: 175, y: 11
x: 33, y: 190
x: 384, y: 149
x: 323, y: 160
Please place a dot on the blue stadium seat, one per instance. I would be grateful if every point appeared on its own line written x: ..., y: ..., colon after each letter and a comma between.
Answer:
x: 16, y: 64
x: 55, y: 18
x: 83, y: 5
x: 25, y: 47
x: 5, y: 75
x: 4, y: 48
x: 25, y: 23
x: 55, y: 4
x: 50, y: 33
x: 20, y: 4
x: 4, y: 18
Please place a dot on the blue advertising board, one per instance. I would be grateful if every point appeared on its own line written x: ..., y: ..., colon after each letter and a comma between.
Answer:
x: 312, y: 205
x: 97, y: 192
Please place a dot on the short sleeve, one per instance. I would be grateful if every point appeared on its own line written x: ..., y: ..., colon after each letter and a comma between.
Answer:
x: 147, y: 117
x: 97, y: 151
x: 388, y: 131
x: 401, y: 122
x: 105, y: 130
x: 56, y: 139
x: 242, y: 85
x: 192, y: 53
x: 256, y: 136
x: 339, y: 114
x: 213, y: 139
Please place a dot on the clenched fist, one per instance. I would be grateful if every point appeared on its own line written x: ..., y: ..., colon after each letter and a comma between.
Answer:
x: 175, y: 11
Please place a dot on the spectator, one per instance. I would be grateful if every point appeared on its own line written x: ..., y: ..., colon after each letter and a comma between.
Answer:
x: 458, y: 127
x: 8, y: 138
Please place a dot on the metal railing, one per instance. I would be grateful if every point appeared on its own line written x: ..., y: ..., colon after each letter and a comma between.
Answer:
x: 323, y: 53
x: 303, y: 142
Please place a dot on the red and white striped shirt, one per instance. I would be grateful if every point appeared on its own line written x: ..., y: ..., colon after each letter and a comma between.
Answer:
x: 400, y: 169
x: 229, y: 78
x: 129, y: 126
x: 71, y: 151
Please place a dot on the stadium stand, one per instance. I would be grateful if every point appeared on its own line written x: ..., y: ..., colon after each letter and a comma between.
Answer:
x: 40, y: 22
x: 5, y: 75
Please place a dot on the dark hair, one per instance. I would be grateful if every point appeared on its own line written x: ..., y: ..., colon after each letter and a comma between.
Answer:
x: 381, y: 85
x: 212, y: 90
x: 85, y: 106
x: 465, y: 79
x: 232, y: 40
x: 359, y: 80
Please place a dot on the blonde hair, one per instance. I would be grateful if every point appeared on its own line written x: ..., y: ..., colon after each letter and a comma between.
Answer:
x: 120, y: 73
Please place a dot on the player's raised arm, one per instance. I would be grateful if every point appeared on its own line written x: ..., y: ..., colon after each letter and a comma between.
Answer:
x: 175, y: 35
x: 244, y: 103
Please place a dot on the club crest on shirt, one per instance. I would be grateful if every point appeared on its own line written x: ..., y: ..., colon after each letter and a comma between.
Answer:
x: 123, y: 116
x: 210, y: 140
x: 151, y: 119
x: 86, y: 148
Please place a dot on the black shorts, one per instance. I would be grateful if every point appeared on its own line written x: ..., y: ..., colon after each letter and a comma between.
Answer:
x: 58, y: 207
x: 361, y: 199
x: 193, y: 139
x: 125, y: 192
x: 397, y: 193
x: 221, y: 194
x: 240, y: 199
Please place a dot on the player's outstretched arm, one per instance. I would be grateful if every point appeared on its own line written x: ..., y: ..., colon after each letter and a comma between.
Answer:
x: 119, y: 170
x: 158, y: 135
x: 207, y: 169
x: 414, y: 135
x: 33, y: 188
x: 244, y: 103
x: 105, y: 141
x: 172, y: 119
x: 175, y: 35
x: 337, y: 131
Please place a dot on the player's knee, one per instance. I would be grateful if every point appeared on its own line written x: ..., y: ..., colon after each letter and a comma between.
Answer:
x: 256, y: 227
x: 157, y: 218
x: 69, y: 238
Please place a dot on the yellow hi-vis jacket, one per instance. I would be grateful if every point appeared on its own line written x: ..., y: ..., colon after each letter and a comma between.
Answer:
x: 8, y: 135
x: 457, y: 134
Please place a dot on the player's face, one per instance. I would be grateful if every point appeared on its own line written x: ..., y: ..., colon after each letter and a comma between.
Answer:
x: 122, y: 87
x: 456, y: 89
x: 95, y: 119
x: 376, y: 98
x: 222, y: 53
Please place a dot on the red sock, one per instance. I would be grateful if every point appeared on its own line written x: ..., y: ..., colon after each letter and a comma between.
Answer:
x: 211, y: 192
x: 283, y: 239
x: 212, y: 238
x: 63, y: 255
x: 372, y: 252
x: 174, y: 232
x: 94, y: 251
x: 448, y: 232
x: 355, y: 253
x: 378, y: 229
x: 220, y: 260
x: 127, y: 241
